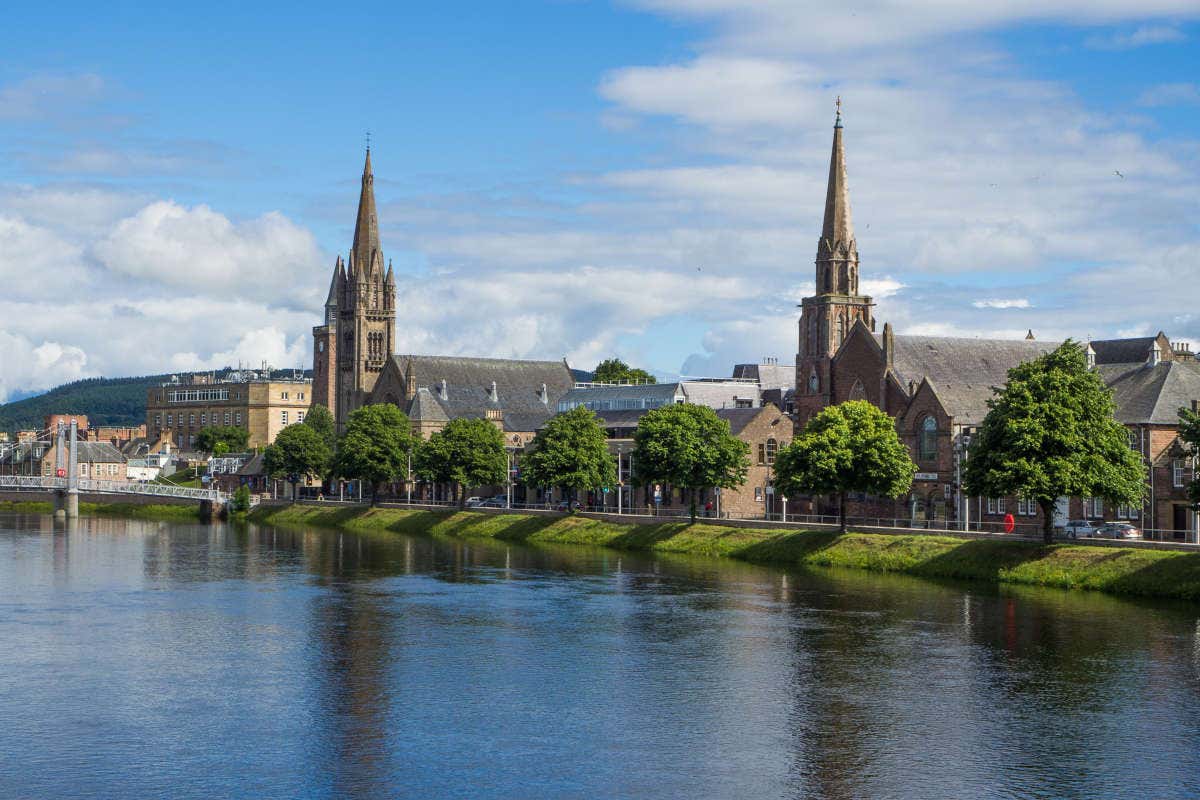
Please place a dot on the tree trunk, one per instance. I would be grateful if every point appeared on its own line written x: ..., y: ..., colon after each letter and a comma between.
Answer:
x: 842, y: 512
x: 693, y: 505
x: 1047, y: 520
x: 462, y: 495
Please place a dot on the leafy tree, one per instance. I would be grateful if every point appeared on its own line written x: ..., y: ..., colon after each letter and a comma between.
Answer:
x: 467, y: 452
x: 320, y: 420
x: 297, y: 453
x: 614, y: 370
x: 376, y: 445
x: 1189, y: 432
x: 1050, y: 433
x: 690, y: 447
x: 240, y: 503
x: 572, y: 452
x: 850, y: 447
x: 233, y: 437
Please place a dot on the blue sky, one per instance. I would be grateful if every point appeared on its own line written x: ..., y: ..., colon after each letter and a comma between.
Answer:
x: 642, y: 178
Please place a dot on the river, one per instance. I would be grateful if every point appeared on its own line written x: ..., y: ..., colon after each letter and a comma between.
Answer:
x: 150, y: 659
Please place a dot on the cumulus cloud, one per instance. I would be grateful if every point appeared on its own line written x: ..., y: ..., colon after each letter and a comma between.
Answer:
x: 29, y: 366
x: 996, y: 302
x: 204, y: 251
x: 1170, y: 94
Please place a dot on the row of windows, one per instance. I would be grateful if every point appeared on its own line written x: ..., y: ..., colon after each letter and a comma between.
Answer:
x: 196, y: 395
x: 284, y: 396
x: 623, y: 404
x: 1093, y: 508
x: 174, y: 420
x: 97, y: 470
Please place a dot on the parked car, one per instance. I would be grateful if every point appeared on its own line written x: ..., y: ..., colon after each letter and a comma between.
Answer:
x: 1080, y: 528
x: 1119, y: 530
x: 474, y: 502
x: 499, y: 501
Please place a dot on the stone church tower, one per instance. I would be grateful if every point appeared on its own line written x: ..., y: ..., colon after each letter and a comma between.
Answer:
x: 359, y: 334
x: 827, y: 316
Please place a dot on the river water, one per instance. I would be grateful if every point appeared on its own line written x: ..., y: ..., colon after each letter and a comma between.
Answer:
x: 146, y: 659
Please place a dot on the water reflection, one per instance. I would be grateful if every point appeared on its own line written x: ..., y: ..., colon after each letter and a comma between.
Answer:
x: 155, y: 658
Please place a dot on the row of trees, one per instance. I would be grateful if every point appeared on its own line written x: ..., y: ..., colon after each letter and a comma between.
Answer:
x: 1049, y: 433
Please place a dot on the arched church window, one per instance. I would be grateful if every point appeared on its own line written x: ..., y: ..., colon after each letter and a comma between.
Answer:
x: 927, y: 444
x: 814, y: 383
x: 772, y: 449
x: 858, y: 391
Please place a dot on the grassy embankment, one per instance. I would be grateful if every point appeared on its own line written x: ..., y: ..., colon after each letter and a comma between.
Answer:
x: 181, y: 513
x: 1149, y: 573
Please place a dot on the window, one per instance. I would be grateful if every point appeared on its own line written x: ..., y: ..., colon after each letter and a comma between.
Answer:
x: 203, y: 420
x: 991, y: 505
x: 170, y: 420
x: 112, y: 469
x: 299, y: 395
x: 196, y: 395
x: 283, y: 395
x: 762, y: 453
x: 814, y: 383
x: 191, y: 420
x: 1178, y: 465
x: 758, y: 494
x: 1127, y: 512
x: 1093, y: 507
x: 283, y: 417
x: 1132, y: 436
x: 1026, y: 507
x: 83, y: 469
x: 191, y: 439
x: 226, y: 417
x: 299, y: 416
x: 772, y: 448
x: 158, y: 420
x: 927, y: 446
x: 237, y: 418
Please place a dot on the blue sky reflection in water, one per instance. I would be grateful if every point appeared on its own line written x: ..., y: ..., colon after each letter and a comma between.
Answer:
x: 150, y: 659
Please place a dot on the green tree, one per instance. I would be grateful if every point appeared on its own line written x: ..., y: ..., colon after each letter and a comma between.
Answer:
x: 240, y: 503
x: 1189, y: 432
x: 233, y: 437
x: 571, y: 452
x: 320, y: 420
x: 850, y: 447
x: 467, y: 453
x: 298, y: 452
x: 614, y: 370
x: 375, y: 448
x: 690, y: 447
x: 1050, y: 433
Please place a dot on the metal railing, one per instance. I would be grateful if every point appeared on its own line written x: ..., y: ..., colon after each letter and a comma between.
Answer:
x: 40, y: 483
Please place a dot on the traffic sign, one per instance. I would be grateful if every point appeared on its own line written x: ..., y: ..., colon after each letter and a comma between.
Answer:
x: 62, y: 473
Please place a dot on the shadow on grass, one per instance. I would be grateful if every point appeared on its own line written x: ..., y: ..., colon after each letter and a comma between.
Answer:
x: 979, y: 560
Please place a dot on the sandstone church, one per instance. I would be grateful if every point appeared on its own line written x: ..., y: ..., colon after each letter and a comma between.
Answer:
x: 354, y: 364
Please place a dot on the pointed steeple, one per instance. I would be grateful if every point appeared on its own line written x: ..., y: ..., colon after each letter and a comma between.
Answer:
x: 335, y: 285
x: 390, y: 278
x: 366, y: 228
x: 838, y: 226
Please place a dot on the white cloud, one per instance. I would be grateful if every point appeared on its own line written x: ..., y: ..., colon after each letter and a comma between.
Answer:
x: 996, y: 302
x: 29, y: 366
x: 1140, y: 37
x: 1171, y: 94
x: 199, y: 249
x: 42, y: 96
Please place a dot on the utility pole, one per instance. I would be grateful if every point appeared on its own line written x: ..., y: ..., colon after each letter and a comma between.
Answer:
x: 73, y: 473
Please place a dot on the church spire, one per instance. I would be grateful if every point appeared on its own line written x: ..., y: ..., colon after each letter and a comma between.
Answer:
x: 366, y: 227
x: 838, y: 227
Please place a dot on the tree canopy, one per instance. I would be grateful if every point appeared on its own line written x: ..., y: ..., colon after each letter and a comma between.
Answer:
x: 1050, y: 433
x: 298, y: 452
x: 375, y: 447
x: 849, y: 447
x: 467, y: 452
x: 219, y: 439
x: 1189, y: 432
x: 321, y: 420
x: 571, y: 452
x: 690, y: 447
x: 614, y: 370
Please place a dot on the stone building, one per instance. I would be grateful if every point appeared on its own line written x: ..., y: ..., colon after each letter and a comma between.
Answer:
x: 96, y: 460
x: 358, y: 336
x: 937, y: 390
x: 262, y: 404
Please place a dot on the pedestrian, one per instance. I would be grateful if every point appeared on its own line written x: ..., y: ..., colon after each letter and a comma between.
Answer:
x: 708, y: 508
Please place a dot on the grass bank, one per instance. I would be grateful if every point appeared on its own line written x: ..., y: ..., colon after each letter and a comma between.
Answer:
x: 188, y: 513
x: 1130, y: 571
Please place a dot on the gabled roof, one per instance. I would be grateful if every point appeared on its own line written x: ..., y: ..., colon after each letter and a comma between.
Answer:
x: 469, y: 388
x: 739, y: 418
x: 962, y: 371
x: 1152, y: 394
x: 1123, y: 351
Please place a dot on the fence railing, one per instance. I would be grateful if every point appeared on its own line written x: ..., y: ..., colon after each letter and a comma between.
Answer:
x: 44, y: 484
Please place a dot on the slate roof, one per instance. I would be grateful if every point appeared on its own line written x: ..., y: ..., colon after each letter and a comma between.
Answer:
x: 88, y: 452
x: 962, y: 371
x: 253, y: 467
x: 1123, y: 351
x: 717, y: 394
x: 468, y: 388
x: 643, y: 395
x: 769, y: 376
x: 739, y: 418
x: 1152, y: 394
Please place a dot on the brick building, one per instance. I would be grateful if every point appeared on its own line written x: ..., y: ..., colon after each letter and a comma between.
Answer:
x: 261, y: 404
x: 96, y: 460
x: 937, y: 390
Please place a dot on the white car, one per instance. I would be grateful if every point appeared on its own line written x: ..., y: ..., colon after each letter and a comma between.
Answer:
x: 474, y: 502
x: 1080, y: 529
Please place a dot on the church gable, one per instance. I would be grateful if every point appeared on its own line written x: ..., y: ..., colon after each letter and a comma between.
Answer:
x: 858, y: 368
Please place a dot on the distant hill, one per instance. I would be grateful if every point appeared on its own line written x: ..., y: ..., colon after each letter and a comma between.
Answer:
x: 105, y: 401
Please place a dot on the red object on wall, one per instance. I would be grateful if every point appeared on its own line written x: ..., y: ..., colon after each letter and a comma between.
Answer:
x: 1009, y: 523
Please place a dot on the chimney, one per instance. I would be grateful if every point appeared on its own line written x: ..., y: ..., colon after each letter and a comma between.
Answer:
x: 544, y: 396
x: 1091, y: 356
x: 442, y: 391
x: 492, y: 395
x: 889, y: 345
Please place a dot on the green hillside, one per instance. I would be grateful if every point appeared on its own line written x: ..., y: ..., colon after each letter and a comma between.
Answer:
x: 105, y: 401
